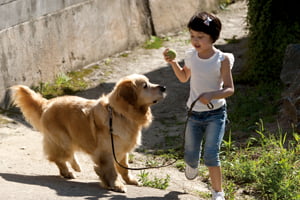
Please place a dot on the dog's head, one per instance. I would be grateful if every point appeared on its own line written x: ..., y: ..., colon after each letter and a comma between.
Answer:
x: 137, y: 91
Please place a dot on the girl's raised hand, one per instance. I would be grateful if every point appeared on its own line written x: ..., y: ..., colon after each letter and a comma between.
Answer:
x: 166, y: 57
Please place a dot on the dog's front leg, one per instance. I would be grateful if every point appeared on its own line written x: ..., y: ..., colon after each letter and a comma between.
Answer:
x: 106, y: 171
x: 127, y: 177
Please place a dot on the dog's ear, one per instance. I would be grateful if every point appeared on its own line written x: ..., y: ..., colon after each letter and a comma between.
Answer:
x: 127, y: 91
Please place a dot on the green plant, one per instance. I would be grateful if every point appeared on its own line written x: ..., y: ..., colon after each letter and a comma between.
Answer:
x: 159, y: 183
x: 230, y: 187
x: 224, y: 3
x: 153, y: 43
x: 228, y: 145
x: 65, y: 83
x: 152, y: 163
x: 180, y: 165
x: 266, y: 168
x: 62, y: 79
x: 204, y: 195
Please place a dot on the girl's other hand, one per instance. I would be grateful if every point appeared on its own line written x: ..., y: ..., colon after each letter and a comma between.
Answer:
x: 205, y: 98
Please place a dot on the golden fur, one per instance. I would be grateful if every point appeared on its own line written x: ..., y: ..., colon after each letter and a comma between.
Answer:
x: 71, y: 123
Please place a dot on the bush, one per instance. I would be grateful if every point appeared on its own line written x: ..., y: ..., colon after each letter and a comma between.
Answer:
x: 272, y: 24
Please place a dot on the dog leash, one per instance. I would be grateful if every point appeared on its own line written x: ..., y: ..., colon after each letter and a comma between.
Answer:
x: 209, y: 105
x: 114, y: 153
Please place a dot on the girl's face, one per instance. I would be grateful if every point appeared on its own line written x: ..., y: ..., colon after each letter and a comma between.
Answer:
x: 201, y: 41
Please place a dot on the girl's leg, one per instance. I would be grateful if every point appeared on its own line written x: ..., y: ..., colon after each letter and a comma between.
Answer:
x: 214, y: 136
x: 193, y: 140
x: 215, y: 175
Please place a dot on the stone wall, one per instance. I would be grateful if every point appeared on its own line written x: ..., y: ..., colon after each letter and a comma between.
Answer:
x: 41, y: 38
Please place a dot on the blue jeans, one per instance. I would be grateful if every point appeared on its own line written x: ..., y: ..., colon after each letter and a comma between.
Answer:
x: 210, y: 126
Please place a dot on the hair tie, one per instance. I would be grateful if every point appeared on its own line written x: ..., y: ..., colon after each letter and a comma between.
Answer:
x: 207, y: 21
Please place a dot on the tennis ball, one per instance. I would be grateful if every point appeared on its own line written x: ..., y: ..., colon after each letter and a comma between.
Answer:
x: 171, y: 54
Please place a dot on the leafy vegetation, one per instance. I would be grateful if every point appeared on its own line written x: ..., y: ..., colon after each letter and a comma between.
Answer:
x: 159, y: 183
x: 224, y: 3
x: 65, y: 83
x: 154, y: 43
x: 268, y: 167
x: 272, y: 26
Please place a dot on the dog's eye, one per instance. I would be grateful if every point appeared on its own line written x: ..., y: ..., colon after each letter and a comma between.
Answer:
x: 145, y: 85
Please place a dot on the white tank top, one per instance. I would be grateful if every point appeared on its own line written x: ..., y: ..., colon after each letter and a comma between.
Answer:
x: 205, y: 77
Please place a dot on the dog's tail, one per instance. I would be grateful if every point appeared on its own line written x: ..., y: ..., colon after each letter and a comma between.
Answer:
x: 30, y: 103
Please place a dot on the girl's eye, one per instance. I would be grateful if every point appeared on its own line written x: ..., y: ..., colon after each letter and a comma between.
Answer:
x: 196, y: 38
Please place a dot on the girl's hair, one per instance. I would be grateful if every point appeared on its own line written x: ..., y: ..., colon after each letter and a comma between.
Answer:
x: 207, y: 23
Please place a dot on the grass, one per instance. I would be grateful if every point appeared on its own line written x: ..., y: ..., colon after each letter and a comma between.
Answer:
x: 153, y: 43
x: 155, y: 182
x: 65, y: 83
x: 268, y: 168
x: 265, y: 165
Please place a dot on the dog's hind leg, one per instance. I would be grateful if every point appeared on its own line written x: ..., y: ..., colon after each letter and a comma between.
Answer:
x: 74, y: 163
x: 63, y: 169
x: 59, y: 155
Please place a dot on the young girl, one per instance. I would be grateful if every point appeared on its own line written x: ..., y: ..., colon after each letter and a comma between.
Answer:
x: 209, y: 71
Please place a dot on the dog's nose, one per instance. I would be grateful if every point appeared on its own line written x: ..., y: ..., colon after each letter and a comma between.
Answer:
x: 162, y: 88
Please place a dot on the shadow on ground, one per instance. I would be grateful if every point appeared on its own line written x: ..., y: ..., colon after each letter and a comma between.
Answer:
x: 69, y: 188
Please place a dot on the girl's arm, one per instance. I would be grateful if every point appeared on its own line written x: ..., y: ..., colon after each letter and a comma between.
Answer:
x: 228, y: 86
x: 183, y: 74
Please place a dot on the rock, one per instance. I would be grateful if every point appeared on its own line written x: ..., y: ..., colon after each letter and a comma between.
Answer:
x: 290, y: 76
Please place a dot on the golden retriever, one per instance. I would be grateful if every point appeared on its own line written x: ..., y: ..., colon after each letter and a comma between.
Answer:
x: 71, y: 123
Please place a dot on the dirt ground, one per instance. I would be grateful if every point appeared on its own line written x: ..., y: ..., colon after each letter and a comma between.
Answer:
x: 26, y: 174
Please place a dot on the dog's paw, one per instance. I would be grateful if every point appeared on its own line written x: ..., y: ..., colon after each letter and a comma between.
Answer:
x: 68, y: 175
x: 76, y: 167
x: 117, y: 188
x: 132, y: 181
x: 121, y: 189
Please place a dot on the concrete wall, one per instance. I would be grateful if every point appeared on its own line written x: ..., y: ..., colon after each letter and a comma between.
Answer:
x: 41, y: 38
x: 170, y: 15
x: 13, y: 12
